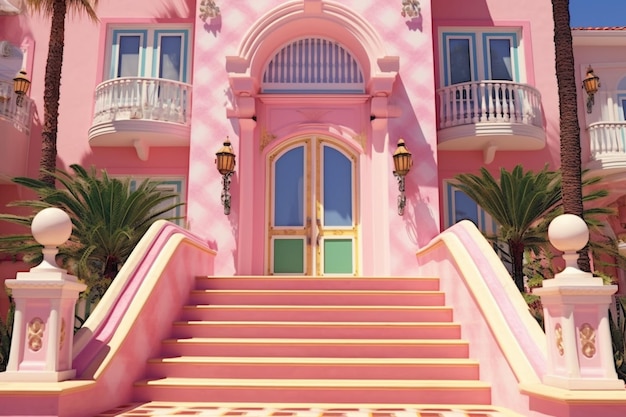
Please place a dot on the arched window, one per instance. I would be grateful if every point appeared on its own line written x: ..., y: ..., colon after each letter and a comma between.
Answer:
x: 313, y: 65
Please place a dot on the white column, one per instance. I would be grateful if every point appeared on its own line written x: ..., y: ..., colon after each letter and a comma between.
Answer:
x: 41, y: 346
x: 575, y: 305
x: 245, y: 174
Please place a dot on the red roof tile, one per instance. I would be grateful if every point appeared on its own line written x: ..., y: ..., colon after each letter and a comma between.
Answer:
x: 602, y: 28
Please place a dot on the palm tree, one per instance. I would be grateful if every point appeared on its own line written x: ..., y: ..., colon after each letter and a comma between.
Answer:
x: 517, y: 203
x: 108, y: 219
x: 56, y: 10
x: 568, y: 113
x: 6, y: 332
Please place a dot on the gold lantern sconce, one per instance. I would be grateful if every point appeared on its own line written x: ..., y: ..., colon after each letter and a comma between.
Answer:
x: 21, y: 84
x: 591, y: 83
x: 225, y: 162
x: 402, y: 163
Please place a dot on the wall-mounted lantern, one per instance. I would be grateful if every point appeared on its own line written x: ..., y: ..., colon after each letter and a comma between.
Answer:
x: 402, y: 163
x: 591, y: 83
x: 225, y: 162
x: 21, y: 84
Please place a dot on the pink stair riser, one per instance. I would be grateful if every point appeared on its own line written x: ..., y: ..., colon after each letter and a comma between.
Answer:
x: 335, y: 349
x: 286, y: 394
x: 459, y: 370
x: 316, y: 313
x: 315, y: 340
x: 309, y: 330
x: 345, y: 298
x: 317, y: 283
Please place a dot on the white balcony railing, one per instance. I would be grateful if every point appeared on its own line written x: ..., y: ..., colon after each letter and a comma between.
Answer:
x: 19, y: 116
x: 607, y: 138
x: 143, y: 99
x: 489, y: 102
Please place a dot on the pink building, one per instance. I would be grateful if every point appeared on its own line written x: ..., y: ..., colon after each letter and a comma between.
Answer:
x: 313, y: 96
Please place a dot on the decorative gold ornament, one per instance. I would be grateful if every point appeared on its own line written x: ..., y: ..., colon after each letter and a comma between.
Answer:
x: 36, y: 328
x: 62, y: 335
x: 266, y: 138
x: 587, y: 336
x: 361, y: 138
x: 558, y: 332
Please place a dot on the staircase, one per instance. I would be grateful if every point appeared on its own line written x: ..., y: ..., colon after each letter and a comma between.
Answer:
x: 315, y: 340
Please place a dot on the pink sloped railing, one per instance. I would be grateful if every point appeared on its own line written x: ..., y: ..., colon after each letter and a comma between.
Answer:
x: 489, y: 102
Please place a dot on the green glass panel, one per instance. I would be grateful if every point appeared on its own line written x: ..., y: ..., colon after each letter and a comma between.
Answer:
x: 338, y: 256
x: 289, y: 256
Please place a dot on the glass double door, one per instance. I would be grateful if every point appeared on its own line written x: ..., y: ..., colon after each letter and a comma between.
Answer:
x: 313, y: 218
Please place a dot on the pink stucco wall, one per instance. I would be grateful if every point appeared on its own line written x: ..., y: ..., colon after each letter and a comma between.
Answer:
x: 537, y: 40
x: 373, y: 32
x: 415, y: 122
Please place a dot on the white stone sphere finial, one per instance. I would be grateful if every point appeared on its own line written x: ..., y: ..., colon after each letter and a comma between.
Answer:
x: 51, y: 227
x: 569, y: 233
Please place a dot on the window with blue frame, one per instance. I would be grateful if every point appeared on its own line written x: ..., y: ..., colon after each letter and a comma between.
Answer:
x: 170, y: 185
x: 160, y: 52
x: 481, y: 54
x: 458, y: 206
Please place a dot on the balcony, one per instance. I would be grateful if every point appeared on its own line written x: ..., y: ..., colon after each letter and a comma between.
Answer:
x: 608, y: 145
x: 15, y: 121
x: 141, y: 113
x: 490, y: 116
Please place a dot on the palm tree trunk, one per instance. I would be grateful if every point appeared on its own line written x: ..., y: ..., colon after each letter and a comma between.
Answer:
x: 568, y: 112
x: 51, y: 92
x: 517, y: 259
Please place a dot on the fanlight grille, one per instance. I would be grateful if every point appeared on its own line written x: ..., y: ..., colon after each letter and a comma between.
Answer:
x: 313, y: 65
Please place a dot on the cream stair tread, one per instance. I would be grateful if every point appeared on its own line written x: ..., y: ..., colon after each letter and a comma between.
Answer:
x: 317, y: 323
x: 313, y: 277
x: 325, y: 383
x: 327, y: 292
x: 215, y: 340
x: 324, y: 361
x: 313, y: 307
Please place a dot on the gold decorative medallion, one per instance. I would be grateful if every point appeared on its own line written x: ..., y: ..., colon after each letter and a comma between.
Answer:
x: 266, y: 138
x: 587, y: 336
x: 62, y: 335
x: 36, y: 327
x: 361, y: 138
x: 558, y: 332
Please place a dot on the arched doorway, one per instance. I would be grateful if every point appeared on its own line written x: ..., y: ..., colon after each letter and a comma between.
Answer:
x: 305, y: 70
x: 313, y: 215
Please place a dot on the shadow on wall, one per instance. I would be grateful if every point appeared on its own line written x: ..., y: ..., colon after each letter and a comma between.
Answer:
x: 423, y: 174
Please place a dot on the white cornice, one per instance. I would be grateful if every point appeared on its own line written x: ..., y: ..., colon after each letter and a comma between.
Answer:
x: 599, y: 37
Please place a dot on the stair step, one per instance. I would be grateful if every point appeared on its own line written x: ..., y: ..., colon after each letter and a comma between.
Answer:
x: 318, y: 297
x: 304, y: 329
x: 337, y: 348
x: 372, y: 391
x: 317, y: 283
x: 317, y: 313
x: 313, y: 368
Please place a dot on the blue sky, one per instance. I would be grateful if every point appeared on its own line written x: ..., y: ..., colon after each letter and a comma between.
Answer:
x: 599, y: 13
